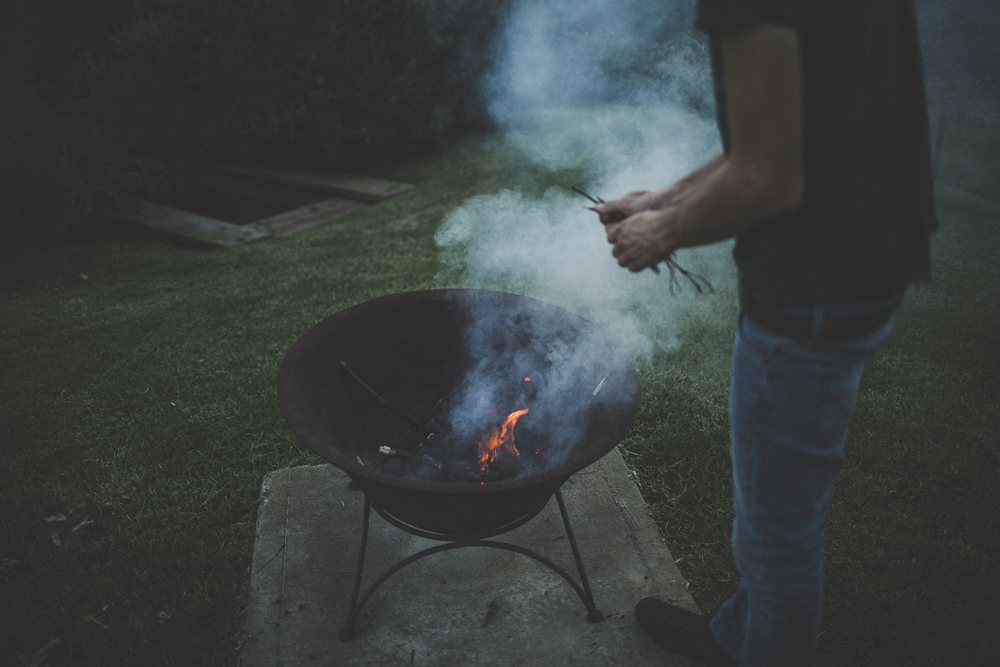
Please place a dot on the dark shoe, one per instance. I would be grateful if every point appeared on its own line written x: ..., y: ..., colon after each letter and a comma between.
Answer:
x: 680, y: 631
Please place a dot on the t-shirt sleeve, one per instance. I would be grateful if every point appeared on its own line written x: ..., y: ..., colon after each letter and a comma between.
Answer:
x: 715, y: 16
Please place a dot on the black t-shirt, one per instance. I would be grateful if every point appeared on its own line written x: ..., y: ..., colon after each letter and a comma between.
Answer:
x: 862, y: 229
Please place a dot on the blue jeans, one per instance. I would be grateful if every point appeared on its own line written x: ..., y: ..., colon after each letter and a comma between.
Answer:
x: 790, y: 402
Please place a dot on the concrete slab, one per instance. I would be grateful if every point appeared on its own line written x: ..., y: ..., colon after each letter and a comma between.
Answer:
x: 470, y: 606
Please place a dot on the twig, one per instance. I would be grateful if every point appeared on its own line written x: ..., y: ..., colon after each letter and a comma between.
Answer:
x: 596, y: 200
x: 385, y: 404
x: 699, y: 282
x: 280, y: 549
x: 422, y: 431
x: 442, y: 400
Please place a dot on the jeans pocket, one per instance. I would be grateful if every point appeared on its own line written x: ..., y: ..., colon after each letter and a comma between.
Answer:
x: 759, y: 341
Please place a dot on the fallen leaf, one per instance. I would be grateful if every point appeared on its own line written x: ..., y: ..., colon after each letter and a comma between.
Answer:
x: 7, y: 563
x: 60, y: 517
x: 55, y: 538
x: 84, y: 276
x: 163, y: 618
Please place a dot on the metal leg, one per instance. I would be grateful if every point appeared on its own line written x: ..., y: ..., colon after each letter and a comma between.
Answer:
x: 594, y: 614
x: 347, y: 633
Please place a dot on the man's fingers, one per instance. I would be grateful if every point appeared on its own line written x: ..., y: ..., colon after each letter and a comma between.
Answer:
x: 612, y: 230
x: 628, y: 258
x: 634, y: 259
x: 611, y: 216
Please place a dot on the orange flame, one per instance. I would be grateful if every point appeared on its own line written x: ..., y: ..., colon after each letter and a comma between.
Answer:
x: 499, y: 439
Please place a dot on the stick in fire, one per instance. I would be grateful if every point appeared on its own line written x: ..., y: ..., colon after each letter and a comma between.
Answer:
x: 407, y: 456
x: 700, y: 282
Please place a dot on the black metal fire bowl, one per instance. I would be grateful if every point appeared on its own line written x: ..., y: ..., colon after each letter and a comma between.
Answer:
x: 416, y: 348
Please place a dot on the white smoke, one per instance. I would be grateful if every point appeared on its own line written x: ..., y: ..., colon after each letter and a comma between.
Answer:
x: 557, y: 65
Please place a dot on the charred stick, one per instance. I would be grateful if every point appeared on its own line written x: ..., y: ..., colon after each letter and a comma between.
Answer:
x: 407, y: 456
x: 385, y: 404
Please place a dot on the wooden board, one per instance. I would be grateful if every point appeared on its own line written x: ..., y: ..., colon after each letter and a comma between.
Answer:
x: 305, y: 217
x: 188, y: 225
x: 306, y: 193
x: 360, y: 188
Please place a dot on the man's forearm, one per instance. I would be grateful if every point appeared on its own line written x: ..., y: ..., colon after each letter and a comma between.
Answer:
x: 733, y: 200
x: 689, y: 184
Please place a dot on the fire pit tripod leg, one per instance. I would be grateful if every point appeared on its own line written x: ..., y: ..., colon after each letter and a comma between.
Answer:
x: 594, y: 614
x: 347, y: 633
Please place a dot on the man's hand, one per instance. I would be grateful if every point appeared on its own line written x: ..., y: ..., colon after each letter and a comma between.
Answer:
x: 623, y: 207
x: 644, y: 200
x: 642, y: 240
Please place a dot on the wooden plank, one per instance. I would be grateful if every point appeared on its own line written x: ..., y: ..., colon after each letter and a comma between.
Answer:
x: 305, y: 217
x: 184, y: 224
x: 361, y: 188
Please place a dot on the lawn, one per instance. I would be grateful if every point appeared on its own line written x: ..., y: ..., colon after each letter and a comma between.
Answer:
x: 138, y: 417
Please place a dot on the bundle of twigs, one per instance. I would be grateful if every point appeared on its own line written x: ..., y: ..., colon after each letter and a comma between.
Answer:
x: 700, y: 283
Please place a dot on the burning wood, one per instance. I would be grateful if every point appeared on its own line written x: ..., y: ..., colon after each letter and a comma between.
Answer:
x: 494, y: 455
x: 500, y: 440
x: 454, y: 458
x: 700, y: 283
x: 407, y: 456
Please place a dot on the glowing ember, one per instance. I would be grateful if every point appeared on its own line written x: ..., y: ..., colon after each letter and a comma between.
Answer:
x: 499, y: 440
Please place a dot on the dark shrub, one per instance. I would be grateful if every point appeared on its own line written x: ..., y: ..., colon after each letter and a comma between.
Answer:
x: 332, y: 82
x: 58, y: 157
x: 465, y: 34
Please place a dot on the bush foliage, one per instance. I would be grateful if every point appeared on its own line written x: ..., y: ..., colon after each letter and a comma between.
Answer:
x: 311, y: 81
x: 58, y: 157
x: 137, y: 97
x: 465, y: 34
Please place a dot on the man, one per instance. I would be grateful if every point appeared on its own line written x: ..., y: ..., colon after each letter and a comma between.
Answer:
x: 825, y: 184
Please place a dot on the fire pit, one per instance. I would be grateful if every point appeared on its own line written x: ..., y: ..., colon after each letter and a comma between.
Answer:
x: 458, y: 413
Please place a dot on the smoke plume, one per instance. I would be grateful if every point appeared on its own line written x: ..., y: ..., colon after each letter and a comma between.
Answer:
x: 605, y: 88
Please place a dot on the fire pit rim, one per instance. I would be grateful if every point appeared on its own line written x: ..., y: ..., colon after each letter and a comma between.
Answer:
x: 364, y: 474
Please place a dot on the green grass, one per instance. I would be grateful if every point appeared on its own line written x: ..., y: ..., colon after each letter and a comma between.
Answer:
x: 143, y: 397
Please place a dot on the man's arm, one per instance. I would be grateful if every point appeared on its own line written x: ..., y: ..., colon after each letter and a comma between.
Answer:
x: 646, y: 200
x: 761, y: 176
